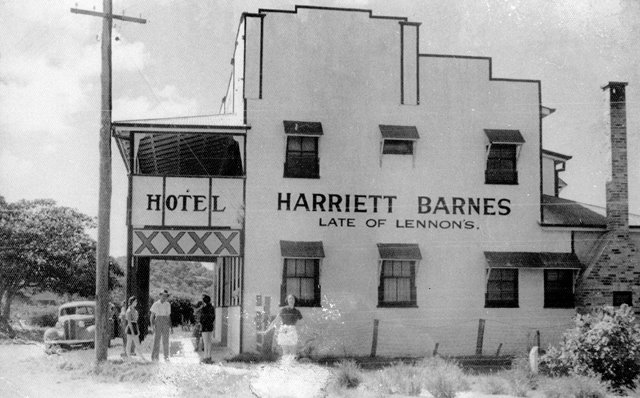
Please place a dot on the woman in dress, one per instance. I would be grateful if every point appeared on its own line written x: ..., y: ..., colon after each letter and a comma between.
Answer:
x: 287, y: 333
x: 133, y: 332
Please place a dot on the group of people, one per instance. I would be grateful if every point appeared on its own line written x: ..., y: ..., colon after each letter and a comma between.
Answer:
x: 160, y: 324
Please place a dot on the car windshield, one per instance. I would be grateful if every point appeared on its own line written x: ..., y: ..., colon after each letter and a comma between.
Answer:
x: 81, y: 310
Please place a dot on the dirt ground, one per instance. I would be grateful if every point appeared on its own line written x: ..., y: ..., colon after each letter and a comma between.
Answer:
x: 26, y: 370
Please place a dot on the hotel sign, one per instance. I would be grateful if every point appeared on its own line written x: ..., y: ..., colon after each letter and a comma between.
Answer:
x: 186, y: 242
x: 189, y: 202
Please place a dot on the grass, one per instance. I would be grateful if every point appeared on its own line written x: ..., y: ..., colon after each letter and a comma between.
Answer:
x: 574, y: 387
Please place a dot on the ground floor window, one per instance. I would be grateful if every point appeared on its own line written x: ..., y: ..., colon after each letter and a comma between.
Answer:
x: 558, y: 289
x: 622, y: 297
x: 397, y: 283
x: 301, y: 277
x: 502, y: 288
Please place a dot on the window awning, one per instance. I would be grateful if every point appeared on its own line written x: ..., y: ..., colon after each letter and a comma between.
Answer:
x: 399, y: 132
x: 532, y: 260
x: 505, y: 137
x: 302, y: 128
x: 297, y: 249
x: 399, y: 251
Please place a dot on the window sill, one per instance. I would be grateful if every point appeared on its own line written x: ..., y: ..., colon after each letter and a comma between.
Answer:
x: 501, y: 182
x: 559, y: 307
x: 501, y: 306
x: 308, y: 177
x: 397, y: 305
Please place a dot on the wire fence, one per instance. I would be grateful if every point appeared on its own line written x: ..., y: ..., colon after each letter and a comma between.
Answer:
x: 415, y: 337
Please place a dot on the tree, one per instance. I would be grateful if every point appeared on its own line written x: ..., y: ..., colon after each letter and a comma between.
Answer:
x: 45, y: 247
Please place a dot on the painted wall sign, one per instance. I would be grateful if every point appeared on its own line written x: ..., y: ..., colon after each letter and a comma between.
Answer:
x: 179, y: 201
x: 158, y: 242
x: 380, y: 205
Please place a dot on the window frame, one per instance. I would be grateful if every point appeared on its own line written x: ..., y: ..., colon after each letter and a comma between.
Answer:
x: 501, y: 175
x: 412, y: 302
x: 317, y: 297
x: 565, y: 295
x: 503, y: 303
x: 292, y: 172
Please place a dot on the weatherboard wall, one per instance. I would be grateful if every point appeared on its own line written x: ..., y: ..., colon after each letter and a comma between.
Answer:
x: 343, y: 69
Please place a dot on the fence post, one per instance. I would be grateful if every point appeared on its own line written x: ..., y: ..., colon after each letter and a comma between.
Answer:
x: 374, y: 342
x: 479, y: 342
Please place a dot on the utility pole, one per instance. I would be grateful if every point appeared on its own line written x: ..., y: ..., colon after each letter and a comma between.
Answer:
x: 104, y: 199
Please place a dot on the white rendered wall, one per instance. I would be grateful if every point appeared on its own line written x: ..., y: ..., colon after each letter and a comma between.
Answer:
x: 343, y: 69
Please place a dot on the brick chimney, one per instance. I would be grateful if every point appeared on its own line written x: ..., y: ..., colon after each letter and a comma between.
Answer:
x: 617, y: 186
x: 612, y: 275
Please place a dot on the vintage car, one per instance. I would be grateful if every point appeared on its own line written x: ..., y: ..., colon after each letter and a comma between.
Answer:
x: 75, y: 326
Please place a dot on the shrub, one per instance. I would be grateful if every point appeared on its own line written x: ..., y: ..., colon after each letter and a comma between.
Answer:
x: 492, y: 385
x: 520, y: 378
x: 605, y: 343
x: 347, y: 374
x: 443, y: 379
x: 400, y: 379
x: 44, y: 319
x: 574, y: 387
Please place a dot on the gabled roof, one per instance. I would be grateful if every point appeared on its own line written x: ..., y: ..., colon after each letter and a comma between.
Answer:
x: 565, y: 212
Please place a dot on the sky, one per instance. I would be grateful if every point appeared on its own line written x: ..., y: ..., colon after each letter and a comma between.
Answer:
x: 178, y: 64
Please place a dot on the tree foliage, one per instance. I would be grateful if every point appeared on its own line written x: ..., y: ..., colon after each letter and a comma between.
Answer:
x: 605, y: 344
x: 46, y: 247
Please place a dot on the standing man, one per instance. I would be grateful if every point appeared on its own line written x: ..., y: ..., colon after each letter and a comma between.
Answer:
x: 161, y: 325
x: 207, y: 318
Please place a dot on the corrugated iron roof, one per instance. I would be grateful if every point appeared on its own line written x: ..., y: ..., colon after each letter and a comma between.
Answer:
x: 560, y: 211
x: 399, y: 132
x: 302, y: 128
x: 532, y: 260
x: 504, y: 136
x: 297, y: 249
x: 399, y: 251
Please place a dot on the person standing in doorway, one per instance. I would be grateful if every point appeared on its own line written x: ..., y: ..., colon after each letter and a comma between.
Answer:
x: 133, y: 332
x: 161, y: 325
x: 123, y: 326
x: 287, y: 333
x: 207, y: 320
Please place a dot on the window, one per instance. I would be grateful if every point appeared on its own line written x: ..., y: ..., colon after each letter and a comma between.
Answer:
x: 502, y: 156
x: 620, y: 298
x: 502, y: 288
x: 398, y: 140
x: 397, y: 147
x: 301, y: 272
x: 501, y: 165
x: 558, y: 288
x: 301, y: 278
x: 302, y: 157
x: 397, y: 284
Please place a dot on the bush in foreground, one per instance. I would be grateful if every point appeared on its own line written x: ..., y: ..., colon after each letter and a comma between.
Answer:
x: 574, y: 387
x: 441, y: 378
x: 347, y: 374
x: 605, y: 343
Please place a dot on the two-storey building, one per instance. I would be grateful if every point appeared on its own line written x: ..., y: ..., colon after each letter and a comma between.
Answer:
x: 404, y: 198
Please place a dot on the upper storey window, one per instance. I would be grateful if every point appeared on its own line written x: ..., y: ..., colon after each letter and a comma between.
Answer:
x: 302, y: 160
x: 398, y: 140
x: 502, y: 156
x: 197, y: 154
